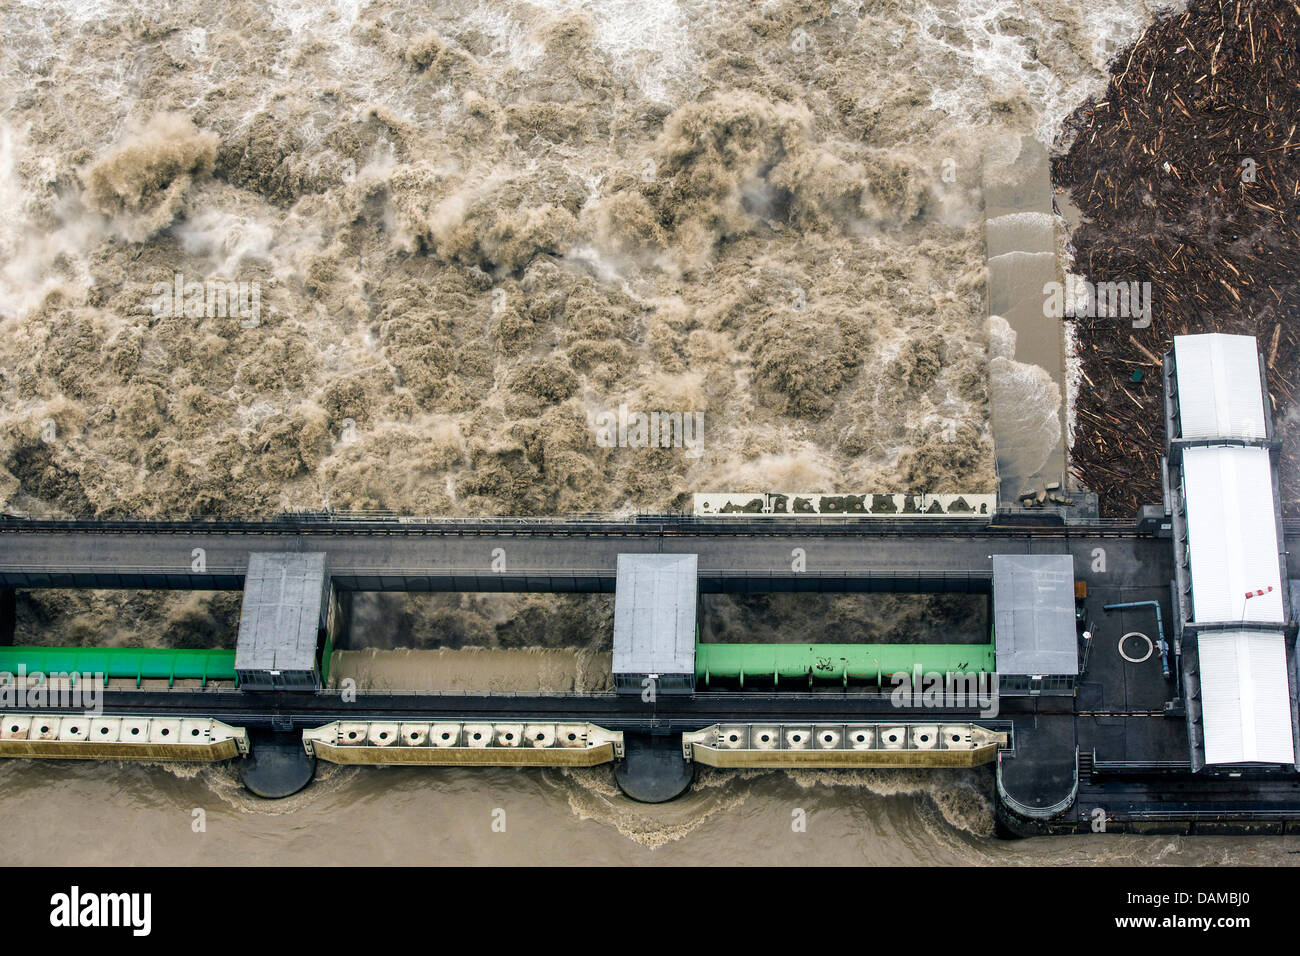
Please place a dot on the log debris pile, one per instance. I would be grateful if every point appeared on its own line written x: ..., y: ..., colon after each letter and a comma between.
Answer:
x: 1187, y: 174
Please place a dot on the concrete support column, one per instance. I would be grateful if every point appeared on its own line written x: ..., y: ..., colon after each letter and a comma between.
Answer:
x: 341, y: 631
x: 8, y: 615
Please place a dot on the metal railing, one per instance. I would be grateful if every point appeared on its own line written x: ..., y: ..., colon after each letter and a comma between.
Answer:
x: 1048, y: 685
x: 980, y: 580
x: 344, y: 519
x: 367, y: 519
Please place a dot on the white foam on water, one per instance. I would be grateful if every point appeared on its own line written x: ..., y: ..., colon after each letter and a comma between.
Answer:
x: 1023, y: 229
x: 226, y: 239
x: 993, y: 57
x: 12, y: 223
x: 1002, y: 338
x: 28, y: 256
x: 962, y: 797
x: 224, y: 782
x: 1073, y: 378
x: 1029, y: 401
x: 1018, y: 258
x: 77, y: 11
x: 653, y: 42
x: 593, y: 795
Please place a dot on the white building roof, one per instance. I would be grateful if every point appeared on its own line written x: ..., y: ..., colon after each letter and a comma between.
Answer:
x: 285, y: 596
x: 1233, y: 548
x: 1232, y: 534
x: 1245, y: 698
x: 655, y: 598
x: 1033, y: 614
x: 1219, y: 390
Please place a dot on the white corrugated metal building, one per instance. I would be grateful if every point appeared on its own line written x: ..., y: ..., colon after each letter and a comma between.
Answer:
x: 1233, y: 549
x: 656, y: 600
x: 285, y: 607
x: 1232, y: 534
x: 1220, y: 392
x: 1033, y: 615
x: 1245, y: 697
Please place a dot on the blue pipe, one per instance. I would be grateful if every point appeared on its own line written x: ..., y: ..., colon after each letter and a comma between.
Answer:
x: 1160, y: 627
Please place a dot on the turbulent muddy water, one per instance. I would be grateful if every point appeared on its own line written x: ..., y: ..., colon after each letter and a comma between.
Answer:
x: 104, y: 814
x: 457, y: 233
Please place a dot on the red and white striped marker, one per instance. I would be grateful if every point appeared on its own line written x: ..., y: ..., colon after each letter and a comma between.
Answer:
x: 1251, y: 594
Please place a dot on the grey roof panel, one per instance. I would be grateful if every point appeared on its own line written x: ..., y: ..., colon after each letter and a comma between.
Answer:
x: 284, y: 600
x: 655, y: 602
x: 1033, y: 614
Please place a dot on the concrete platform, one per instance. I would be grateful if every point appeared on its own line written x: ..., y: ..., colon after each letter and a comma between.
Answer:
x: 653, y: 770
x: 278, y: 766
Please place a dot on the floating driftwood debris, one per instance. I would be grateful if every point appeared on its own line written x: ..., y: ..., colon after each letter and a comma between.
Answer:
x: 1187, y: 174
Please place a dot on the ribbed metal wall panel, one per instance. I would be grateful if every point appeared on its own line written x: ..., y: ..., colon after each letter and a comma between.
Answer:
x: 654, y: 614
x: 1232, y: 534
x: 1245, y: 698
x: 1219, y: 390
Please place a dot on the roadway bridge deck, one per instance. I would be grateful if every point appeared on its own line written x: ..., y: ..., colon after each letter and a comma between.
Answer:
x: 735, y: 555
x: 667, y: 714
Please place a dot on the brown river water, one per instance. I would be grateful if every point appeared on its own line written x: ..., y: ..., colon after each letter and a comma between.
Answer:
x: 91, y: 814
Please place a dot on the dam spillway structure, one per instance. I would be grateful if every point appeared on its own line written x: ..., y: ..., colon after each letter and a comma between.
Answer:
x: 79, y: 737
x: 464, y: 743
x: 1066, y: 697
x: 842, y: 746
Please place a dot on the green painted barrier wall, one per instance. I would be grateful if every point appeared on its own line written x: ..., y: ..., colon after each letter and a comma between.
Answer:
x: 141, y: 663
x: 835, y: 662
